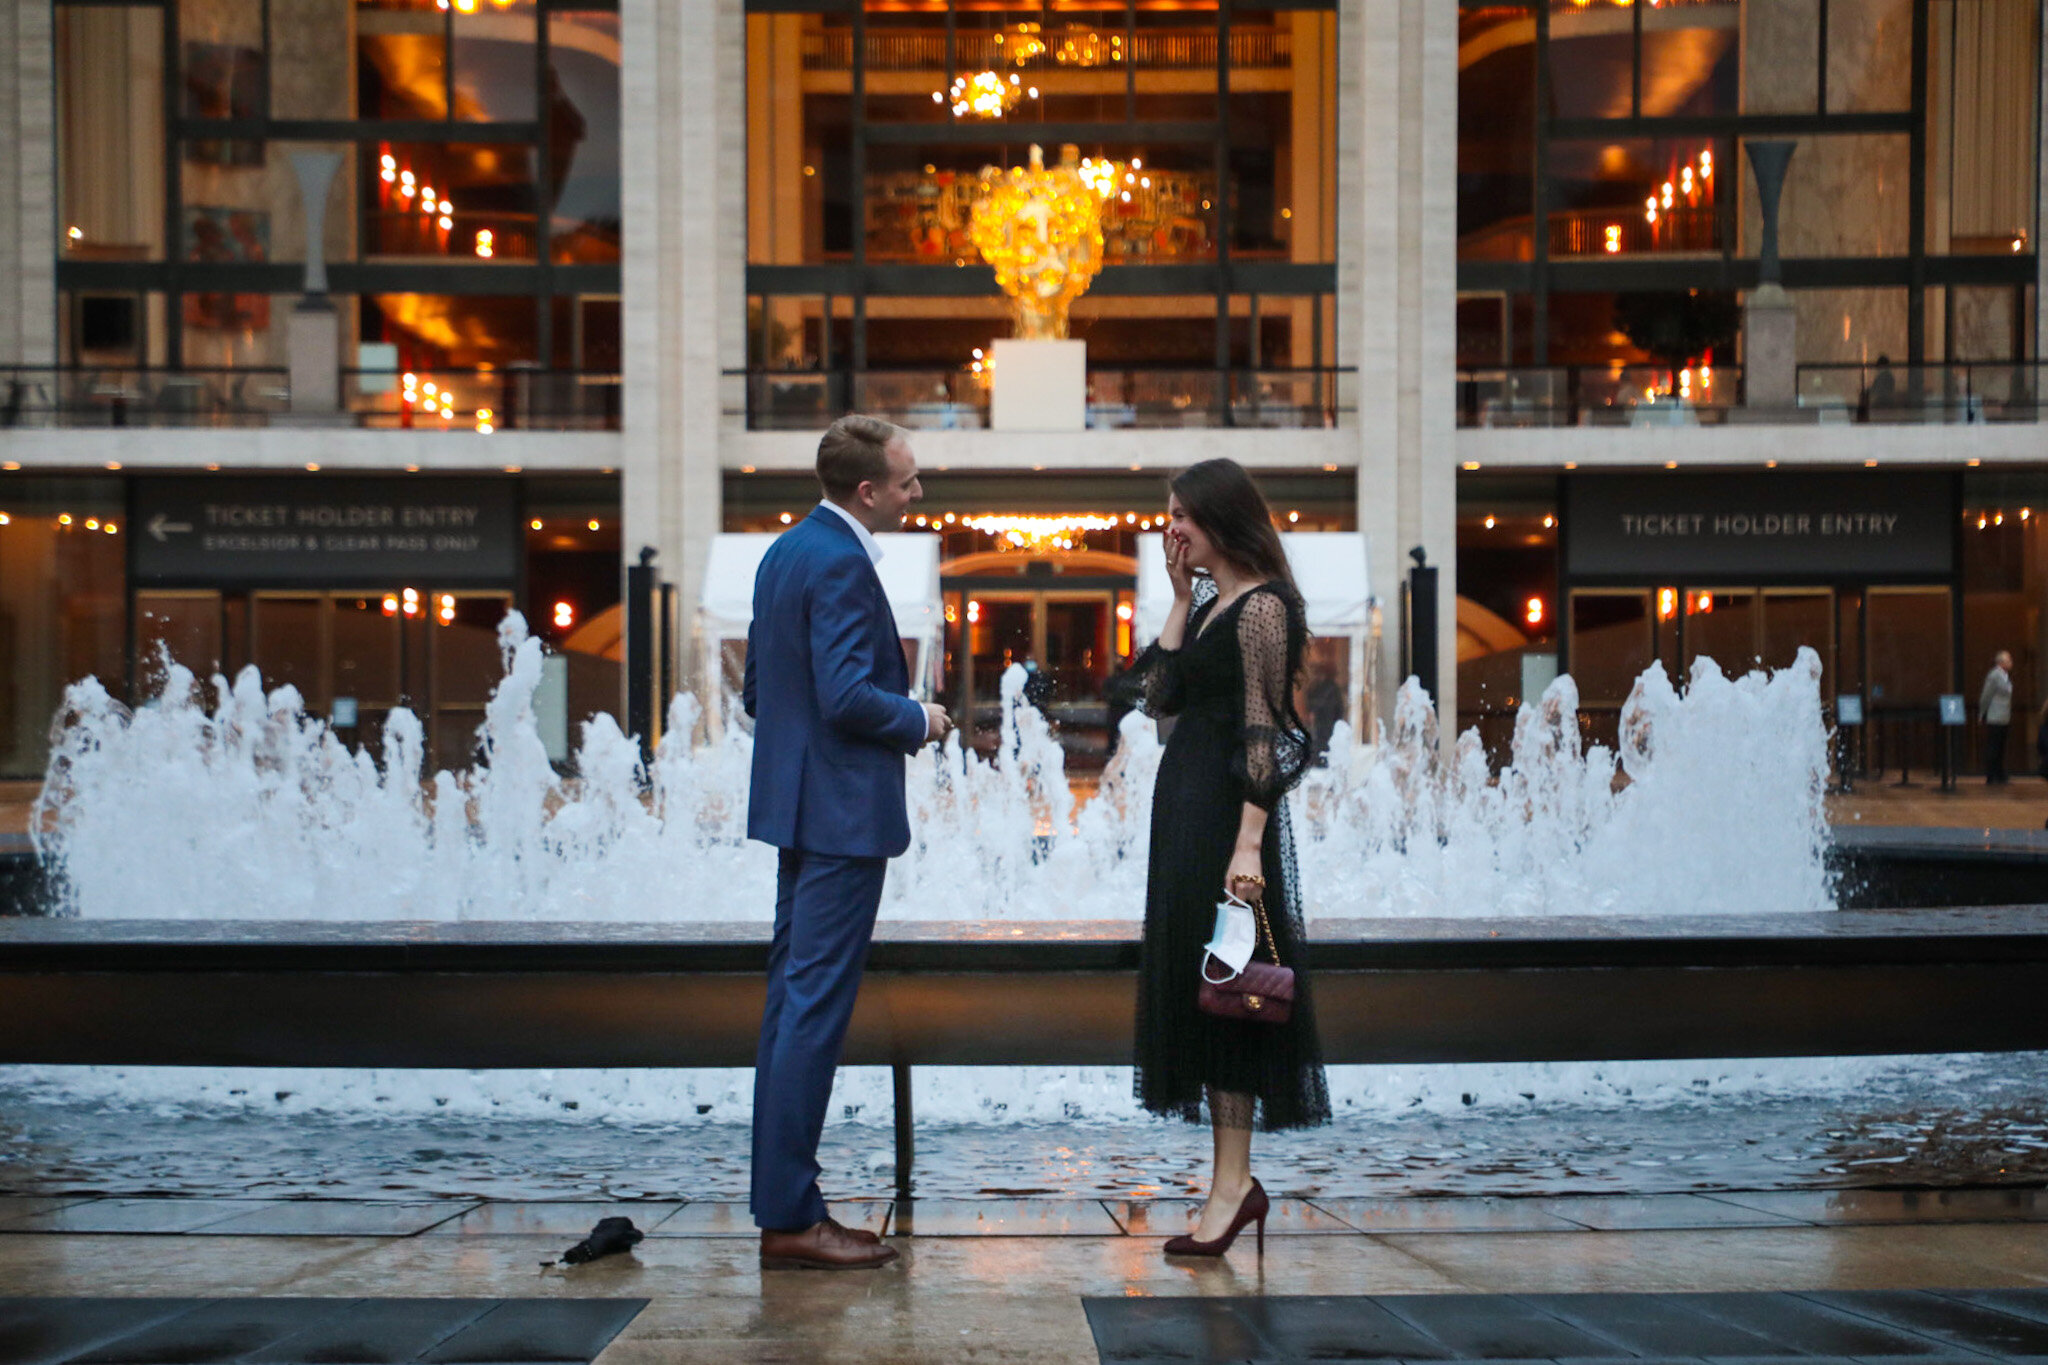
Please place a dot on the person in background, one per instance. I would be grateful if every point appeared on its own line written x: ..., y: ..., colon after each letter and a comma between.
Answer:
x: 1994, y: 711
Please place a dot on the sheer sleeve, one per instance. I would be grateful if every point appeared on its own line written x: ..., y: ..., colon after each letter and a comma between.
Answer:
x: 1156, y: 683
x: 1276, y: 750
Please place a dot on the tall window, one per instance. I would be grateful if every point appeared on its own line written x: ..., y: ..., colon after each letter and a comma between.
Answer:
x: 473, y: 220
x: 863, y: 164
x: 1608, y: 213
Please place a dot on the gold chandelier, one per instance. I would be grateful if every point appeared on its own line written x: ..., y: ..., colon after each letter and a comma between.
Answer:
x: 1084, y: 47
x: 985, y: 94
x: 1041, y: 228
x: 1038, y: 535
x: 1021, y: 44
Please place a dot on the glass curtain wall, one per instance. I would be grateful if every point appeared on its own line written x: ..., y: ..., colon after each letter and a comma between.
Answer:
x: 1608, y: 214
x: 867, y: 146
x: 472, y: 219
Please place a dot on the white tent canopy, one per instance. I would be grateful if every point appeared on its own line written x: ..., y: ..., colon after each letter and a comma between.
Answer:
x: 910, y: 577
x: 909, y: 572
x: 1329, y: 568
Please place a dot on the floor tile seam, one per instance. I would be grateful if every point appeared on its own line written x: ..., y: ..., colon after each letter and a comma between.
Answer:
x: 1587, y: 1328
x: 1111, y: 1211
x: 338, y: 1264
x: 1955, y: 1295
x: 1708, y: 1310
x: 192, y: 1304
x: 1564, y: 1224
x: 1850, y: 1310
x: 1451, y: 1277
x: 1727, y: 1197
x: 478, y: 1316
x: 1962, y: 1219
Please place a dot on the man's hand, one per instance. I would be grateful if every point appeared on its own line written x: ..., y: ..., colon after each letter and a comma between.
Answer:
x: 937, y: 724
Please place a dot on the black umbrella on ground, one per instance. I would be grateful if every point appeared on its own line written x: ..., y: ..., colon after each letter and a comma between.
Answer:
x: 610, y: 1236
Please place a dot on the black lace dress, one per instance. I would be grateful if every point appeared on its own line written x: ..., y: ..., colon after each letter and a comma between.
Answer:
x: 1236, y: 738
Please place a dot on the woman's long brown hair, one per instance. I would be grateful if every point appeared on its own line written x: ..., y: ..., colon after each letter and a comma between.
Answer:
x: 1227, y: 505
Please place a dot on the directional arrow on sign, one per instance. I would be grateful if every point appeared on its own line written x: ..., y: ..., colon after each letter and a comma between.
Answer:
x: 164, y: 529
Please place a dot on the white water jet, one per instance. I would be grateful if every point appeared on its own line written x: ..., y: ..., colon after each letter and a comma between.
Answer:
x: 248, y: 809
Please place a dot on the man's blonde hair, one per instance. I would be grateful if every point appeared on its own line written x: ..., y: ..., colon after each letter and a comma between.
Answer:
x: 854, y: 451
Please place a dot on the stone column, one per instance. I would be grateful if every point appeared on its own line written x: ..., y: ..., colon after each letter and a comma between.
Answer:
x: 28, y: 187
x: 682, y: 107
x: 1397, y: 280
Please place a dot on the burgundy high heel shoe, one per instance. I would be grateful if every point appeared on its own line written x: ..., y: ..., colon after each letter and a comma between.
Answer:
x: 1253, y: 1210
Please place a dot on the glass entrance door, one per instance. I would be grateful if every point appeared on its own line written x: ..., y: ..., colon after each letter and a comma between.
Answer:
x: 356, y: 656
x: 1066, y: 640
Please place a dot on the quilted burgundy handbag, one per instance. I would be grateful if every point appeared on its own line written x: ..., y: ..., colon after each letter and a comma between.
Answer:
x: 1262, y: 992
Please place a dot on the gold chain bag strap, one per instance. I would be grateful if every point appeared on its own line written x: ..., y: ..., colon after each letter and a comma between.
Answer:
x: 1263, y: 992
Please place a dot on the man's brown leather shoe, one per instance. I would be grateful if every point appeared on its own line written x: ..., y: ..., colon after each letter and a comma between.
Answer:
x: 857, y: 1234
x: 821, y: 1246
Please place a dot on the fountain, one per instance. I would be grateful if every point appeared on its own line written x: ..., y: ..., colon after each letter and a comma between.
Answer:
x: 247, y: 809
x: 225, y: 802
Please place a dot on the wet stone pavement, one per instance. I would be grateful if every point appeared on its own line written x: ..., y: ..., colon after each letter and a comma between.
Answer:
x: 1868, y: 1212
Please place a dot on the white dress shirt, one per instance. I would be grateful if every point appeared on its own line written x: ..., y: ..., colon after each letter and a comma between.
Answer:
x: 867, y: 539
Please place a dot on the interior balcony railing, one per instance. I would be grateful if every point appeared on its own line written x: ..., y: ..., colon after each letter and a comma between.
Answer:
x: 473, y: 399
x: 1640, y: 395
x: 1152, y: 49
x: 507, y: 398
x: 1598, y: 395
x: 1130, y: 396
x: 1602, y: 233
x: 1955, y: 391
x: 134, y: 396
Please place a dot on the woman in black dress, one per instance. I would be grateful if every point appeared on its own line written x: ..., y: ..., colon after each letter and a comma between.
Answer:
x: 1224, y: 667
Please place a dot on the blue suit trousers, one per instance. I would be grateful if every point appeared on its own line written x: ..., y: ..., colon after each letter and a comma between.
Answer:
x: 825, y: 906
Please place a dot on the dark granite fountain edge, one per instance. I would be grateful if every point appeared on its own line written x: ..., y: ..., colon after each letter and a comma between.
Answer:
x: 1997, y: 934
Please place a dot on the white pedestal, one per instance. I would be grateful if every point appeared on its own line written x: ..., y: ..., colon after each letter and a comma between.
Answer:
x: 1039, y: 386
x: 313, y: 351
x: 1770, y: 349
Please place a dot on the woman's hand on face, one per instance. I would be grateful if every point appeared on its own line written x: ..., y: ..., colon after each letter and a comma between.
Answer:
x: 1246, y: 864
x: 1177, y: 570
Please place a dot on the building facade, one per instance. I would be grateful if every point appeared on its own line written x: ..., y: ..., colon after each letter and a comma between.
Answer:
x: 1491, y: 282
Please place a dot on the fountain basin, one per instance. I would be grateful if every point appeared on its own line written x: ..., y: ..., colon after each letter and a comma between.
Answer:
x: 481, y: 995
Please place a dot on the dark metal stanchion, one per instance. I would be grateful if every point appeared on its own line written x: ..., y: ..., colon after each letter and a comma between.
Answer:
x: 1848, y: 727
x: 1953, y: 716
x: 1421, y: 636
x: 1905, y: 754
x: 906, y: 1136
x: 642, y: 651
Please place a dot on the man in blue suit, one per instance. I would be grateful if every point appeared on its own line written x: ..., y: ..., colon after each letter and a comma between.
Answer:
x: 828, y: 690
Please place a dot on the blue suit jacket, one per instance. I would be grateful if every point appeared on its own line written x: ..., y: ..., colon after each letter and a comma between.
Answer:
x: 828, y: 690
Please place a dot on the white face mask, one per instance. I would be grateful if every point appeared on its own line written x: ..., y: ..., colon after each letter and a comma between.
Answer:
x: 1236, y: 936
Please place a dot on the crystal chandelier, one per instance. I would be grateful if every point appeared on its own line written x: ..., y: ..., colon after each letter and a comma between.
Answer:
x: 1084, y: 47
x: 1037, y: 535
x: 1021, y: 44
x: 986, y: 94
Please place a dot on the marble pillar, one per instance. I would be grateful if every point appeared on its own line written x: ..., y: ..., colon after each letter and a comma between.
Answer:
x: 28, y: 188
x: 1397, y: 282
x: 682, y: 98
